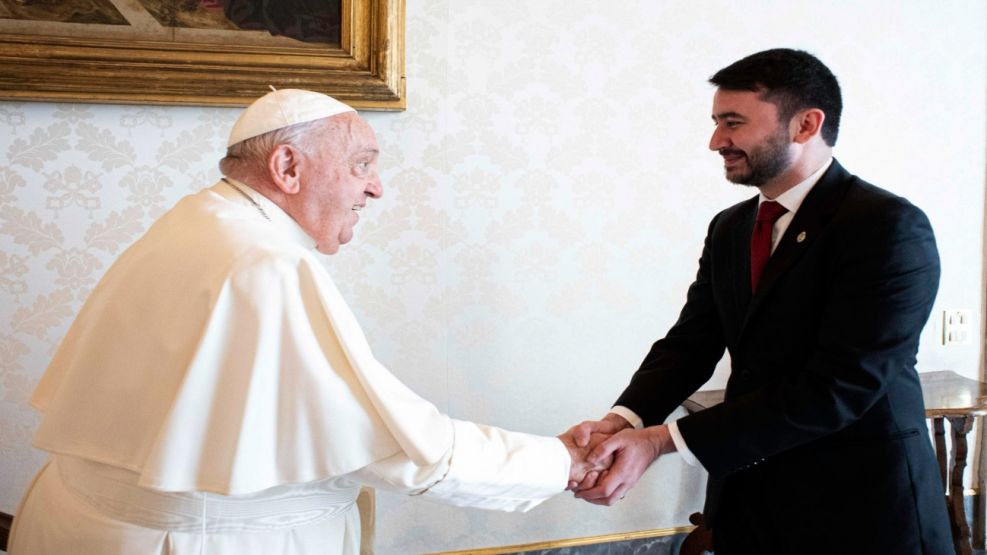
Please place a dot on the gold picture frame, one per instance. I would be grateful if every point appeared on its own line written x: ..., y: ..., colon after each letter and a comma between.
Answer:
x: 365, y: 71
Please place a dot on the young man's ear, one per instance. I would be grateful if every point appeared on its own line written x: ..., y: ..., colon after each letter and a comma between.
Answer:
x: 807, y: 124
x: 283, y: 167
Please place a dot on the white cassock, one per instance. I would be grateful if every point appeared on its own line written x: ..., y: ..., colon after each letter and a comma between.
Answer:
x: 216, y: 395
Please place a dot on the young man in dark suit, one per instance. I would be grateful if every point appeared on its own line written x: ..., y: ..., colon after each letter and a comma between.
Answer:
x: 819, y: 287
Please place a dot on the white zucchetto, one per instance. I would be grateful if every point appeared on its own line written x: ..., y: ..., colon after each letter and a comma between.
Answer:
x: 281, y: 108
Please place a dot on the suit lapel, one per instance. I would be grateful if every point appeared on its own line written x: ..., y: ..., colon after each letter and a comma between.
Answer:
x: 741, y: 249
x: 807, y: 225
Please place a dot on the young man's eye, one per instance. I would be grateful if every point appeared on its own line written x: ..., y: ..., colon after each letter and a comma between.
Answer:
x: 729, y: 124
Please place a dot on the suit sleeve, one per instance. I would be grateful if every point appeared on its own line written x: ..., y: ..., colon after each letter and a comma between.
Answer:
x: 685, y: 358
x: 882, y: 276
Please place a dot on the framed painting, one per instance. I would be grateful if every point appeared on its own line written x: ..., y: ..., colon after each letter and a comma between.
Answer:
x: 202, y: 52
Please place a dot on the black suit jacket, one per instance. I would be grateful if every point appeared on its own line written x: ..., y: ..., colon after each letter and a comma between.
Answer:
x: 823, y: 424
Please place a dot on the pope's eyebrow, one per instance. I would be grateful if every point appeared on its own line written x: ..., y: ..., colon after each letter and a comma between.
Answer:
x: 365, y: 153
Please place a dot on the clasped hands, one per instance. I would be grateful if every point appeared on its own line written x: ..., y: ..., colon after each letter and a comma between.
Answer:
x: 609, y: 456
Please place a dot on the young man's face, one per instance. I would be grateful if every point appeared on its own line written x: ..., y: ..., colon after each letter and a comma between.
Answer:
x: 755, y: 146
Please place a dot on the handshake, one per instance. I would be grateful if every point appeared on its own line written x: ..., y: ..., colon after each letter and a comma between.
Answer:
x: 609, y: 456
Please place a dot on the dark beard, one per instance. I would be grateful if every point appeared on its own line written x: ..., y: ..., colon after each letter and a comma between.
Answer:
x: 765, y: 161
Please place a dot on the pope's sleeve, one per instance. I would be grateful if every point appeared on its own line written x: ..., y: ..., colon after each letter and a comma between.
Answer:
x: 452, y: 461
x: 487, y: 468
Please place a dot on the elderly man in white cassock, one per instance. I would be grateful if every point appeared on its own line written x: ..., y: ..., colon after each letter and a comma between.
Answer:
x: 216, y: 395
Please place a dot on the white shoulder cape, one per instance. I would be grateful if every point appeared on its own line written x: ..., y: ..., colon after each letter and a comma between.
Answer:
x: 217, y: 355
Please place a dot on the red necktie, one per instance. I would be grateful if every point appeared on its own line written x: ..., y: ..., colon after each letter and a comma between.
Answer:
x: 767, y: 214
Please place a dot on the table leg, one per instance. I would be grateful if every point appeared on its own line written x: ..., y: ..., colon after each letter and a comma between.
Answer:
x: 961, y: 426
x: 939, y: 429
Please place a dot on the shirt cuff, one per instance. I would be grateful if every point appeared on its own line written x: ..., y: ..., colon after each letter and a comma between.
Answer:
x: 628, y: 415
x: 683, y: 449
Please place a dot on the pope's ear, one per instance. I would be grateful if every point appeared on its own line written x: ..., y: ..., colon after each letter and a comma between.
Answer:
x: 283, y: 167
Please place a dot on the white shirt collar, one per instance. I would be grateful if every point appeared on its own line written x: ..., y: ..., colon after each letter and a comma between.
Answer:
x: 792, y: 198
x: 278, y: 217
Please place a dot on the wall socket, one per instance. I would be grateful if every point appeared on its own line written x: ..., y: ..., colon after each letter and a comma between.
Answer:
x: 957, y: 328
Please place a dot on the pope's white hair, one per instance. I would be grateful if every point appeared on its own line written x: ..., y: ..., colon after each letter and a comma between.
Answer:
x: 251, y: 154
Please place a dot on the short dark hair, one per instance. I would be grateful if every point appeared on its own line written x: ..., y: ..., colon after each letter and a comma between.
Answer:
x: 792, y: 80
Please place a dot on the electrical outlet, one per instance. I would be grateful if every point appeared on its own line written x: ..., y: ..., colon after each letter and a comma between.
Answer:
x: 957, y: 329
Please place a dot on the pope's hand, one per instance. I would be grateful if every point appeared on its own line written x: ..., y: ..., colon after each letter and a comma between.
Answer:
x: 608, y: 425
x: 589, y: 434
x: 580, y: 470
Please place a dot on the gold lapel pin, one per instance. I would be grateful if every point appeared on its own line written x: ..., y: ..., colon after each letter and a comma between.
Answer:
x: 800, y: 238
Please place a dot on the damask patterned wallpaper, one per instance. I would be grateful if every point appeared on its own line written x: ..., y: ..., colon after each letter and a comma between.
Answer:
x: 546, y: 196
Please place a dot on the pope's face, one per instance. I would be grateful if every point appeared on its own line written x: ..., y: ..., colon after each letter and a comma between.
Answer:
x: 337, y: 178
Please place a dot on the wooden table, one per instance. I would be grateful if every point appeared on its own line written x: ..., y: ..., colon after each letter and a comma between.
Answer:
x: 948, y: 396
